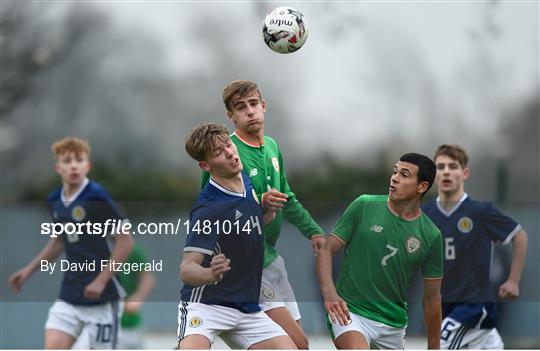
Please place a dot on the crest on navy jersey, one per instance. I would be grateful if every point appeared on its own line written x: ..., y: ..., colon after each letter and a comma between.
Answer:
x: 465, y: 225
x: 78, y: 213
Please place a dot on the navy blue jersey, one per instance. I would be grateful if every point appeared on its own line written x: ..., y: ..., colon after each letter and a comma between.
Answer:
x: 93, y: 204
x: 469, y: 231
x: 230, y: 223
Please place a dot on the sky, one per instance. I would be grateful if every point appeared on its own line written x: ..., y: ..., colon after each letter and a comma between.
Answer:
x: 371, y: 65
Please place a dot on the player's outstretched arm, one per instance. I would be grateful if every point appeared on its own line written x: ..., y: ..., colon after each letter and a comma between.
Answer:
x: 333, y: 303
x: 432, y: 312
x: 120, y: 253
x: 192, y: 273
x: 146, y: 284
x: 510, y: 289
x: 50, y: 252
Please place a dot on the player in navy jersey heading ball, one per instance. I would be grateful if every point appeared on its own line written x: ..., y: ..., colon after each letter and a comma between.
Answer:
x: 88, y: 307
x: 469, y: 229
x: 223, y: 258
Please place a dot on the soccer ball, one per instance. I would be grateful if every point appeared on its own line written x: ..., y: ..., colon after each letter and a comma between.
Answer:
x: 285, y: 30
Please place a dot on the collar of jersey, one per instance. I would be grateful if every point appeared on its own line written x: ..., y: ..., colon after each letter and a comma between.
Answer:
x: 454, y: 209
x: 75, y: 195
x: 397, y: 215
x: 247, y: 142
x: 227, y: 191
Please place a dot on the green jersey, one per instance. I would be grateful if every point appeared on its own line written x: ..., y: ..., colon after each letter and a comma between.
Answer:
x: 383, y: 254
x: 264, y: 166
x: 130, y: 282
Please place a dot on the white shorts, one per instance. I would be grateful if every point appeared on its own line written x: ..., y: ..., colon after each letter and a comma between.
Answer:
x: 93, y: 327
x: 239, y: 330
x: 455, y: 336
x: 377, y: 334
x: 276, y: 290
x: 131, y: 338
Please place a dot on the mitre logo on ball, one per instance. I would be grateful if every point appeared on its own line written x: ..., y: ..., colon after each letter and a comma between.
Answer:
x: 285, y: 30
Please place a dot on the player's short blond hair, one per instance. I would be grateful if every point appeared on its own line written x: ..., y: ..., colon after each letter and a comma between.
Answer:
x: 238, y: 88
x: 204, y: 139
x: 455, y: 152
x: 70, y: 144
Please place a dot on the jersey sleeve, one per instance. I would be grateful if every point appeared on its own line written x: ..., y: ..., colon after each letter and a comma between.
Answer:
x: 202, y: 238
x: 346, y: 226
x: 433, y: 264
x: 106, y: 207
x: 499, y: 226
x: 205, y: 178
x: 137, y: 255
x: 293, y: 211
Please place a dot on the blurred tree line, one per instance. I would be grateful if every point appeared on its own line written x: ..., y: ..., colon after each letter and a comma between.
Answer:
x: 337, y: 184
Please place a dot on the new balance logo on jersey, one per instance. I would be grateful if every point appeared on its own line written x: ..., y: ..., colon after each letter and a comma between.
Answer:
x: 377, y: 228
x: 253, y: 172
x: 238, y: 214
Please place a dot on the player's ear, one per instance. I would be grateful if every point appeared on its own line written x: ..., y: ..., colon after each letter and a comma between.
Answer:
x: 466, y: 173
x: 57, y: 167
x: 230, y: 117
x: 204, y: 166
x: 423, y: 187
x: 263, y: 105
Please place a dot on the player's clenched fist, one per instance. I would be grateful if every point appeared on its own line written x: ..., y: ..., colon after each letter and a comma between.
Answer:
x: 17, y: 280
x: 273, y: 200
x: 509, y: 290
x: 219, y: 266
x: 337, y: 310
x: 94, y: 289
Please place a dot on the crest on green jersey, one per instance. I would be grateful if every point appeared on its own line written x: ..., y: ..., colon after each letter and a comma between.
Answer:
x: 413, y: 244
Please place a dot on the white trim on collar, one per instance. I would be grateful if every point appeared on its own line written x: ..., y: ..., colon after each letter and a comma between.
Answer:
x: 247, y: 142
x: 397, y: 214
x: 227, y: 191
x: 75, y: 195
x: 454, y: 209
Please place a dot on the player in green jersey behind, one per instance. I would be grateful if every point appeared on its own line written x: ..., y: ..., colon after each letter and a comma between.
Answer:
x: 387, y: 240
x: 263, y: 163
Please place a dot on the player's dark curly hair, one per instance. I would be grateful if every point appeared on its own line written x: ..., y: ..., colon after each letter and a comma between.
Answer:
x: 426, y: 168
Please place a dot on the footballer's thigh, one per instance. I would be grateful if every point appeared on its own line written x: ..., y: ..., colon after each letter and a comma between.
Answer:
x: 56, y: 339
x: 282, y: 316
x: 283, y: 342
x: 362, y: 332
x: 199, y: 324
x: 278, y: 301
x: 351, y: 340
x: 62, y: 327
x: 257, y: 330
